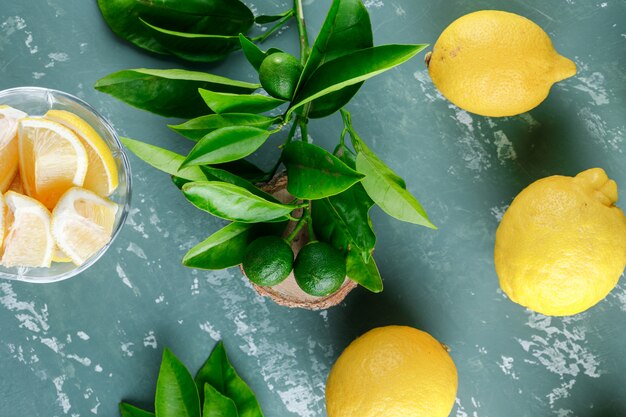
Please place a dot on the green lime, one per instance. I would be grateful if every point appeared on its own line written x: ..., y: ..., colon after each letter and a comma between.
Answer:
x: 268, y: 261
x: 279, y: 74
x: 320, y: 269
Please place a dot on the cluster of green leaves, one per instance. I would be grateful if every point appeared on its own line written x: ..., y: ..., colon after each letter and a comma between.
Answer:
x: 193, y: 30
x: 217, y: 391
x: 335, y: 190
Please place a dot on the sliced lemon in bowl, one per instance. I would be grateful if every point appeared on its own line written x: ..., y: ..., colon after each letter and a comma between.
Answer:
x: 8, y: 152
x: 28, y: 240
x: 52, y: 159
x: 10, y: 112
x: 102, y: 175
x: 82, y: 223
x: 8, y: 144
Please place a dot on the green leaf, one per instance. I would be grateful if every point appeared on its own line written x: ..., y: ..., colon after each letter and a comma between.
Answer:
x: 128, y: 410
x: 170, y: 93
x: 352, y: 69
x: 223, y: 249
x: 254, y: 55
x: 213, y: 174
x: 315, y: 173
x: 226, y: 144
x: 364, y: 273
x: 244, y: 169
x: 196, y: 129
x: 217, y: 405
x: 347, y: 28
x: 176, y: 393
x: 225, y: 17
x: 234, y: 203
x: 343, y: 220
x: 239, y: 103
x: 195, y: 47
x: 164, y: 160
x: 220, y: 374
x: 264, y: 19
x: 382, y: 185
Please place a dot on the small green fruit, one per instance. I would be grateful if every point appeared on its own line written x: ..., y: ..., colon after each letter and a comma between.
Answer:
x: 279, y: 74
x: 268, y: 261
x: 320, y: 269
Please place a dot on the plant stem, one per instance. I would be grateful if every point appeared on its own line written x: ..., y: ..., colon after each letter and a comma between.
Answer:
x: 304, y: 38
x: 290, y: 136
x: 281, y: 22
x: 310, y: 223
x: 302, y: 221
x: 304, y: 128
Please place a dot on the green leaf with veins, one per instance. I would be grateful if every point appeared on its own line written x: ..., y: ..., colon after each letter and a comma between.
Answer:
x: 220, y: 374
x: 170, y: 93
x: 315, y: 173
x: 239, y: 103
x: 163, y: 160
x: 128, y: 410
x: 234, y: 203
x: 196, y: 129
x: 347, y: 29
x: 194, y: 47
x: 225, y: 145
x: 351, y: 69
x: 217, y: 405
x: 215, y: 17
x: 364, y: 272
x: 176, y: 393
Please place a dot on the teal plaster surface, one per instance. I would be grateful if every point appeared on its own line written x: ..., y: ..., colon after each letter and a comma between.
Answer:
x: 78, y: 347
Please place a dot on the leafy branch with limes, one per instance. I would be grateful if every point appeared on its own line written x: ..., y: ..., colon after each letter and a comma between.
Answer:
x: 329, y: 193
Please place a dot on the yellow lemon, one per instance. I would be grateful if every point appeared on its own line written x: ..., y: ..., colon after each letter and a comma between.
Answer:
x: 82, y: 224
x: 391, y: 372
x: 561, y: 245
x: 52, y: 159
x: 102, y: 176
x: 495, y: 63
x: 28, y: 241
x: 8, y: 145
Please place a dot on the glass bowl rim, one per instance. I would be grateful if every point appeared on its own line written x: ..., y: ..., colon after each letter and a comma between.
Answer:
x: 125, y: 205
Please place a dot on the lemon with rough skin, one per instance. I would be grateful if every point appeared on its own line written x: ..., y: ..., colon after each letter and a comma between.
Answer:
x: 495, y: 63
x: 561, y: 245
x: 268, y: 260
x: 392, y: 371
x: 279, y: 74
x: 319, y: 269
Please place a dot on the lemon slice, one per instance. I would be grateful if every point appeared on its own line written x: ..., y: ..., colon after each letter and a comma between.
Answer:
x: 17, y: 185
x: 28, y: 240
x: 8, y: 152
x: 82, y: 223
x: 11, y: 113
x: 52, y: 159
x: 102, y: 171
x: 3, y: 209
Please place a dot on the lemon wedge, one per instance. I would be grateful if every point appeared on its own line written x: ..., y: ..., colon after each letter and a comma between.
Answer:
x: 3, y: 210
x: 16, y: 185
x: 11, y: 113
x: 82, y: 223
x: 28, y: 240
x: 8, y: 145
x: 102, y: 177
x: 52, y: 159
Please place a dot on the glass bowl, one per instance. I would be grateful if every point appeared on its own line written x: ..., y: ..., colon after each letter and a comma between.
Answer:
x: 37, y: 101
